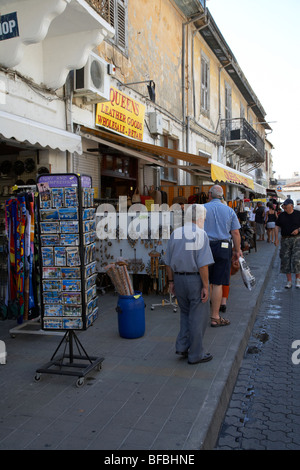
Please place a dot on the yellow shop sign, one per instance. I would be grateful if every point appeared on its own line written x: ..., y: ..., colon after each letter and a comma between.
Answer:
x: 121, y: 114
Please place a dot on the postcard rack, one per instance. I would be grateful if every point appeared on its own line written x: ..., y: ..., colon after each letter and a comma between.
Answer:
x: 67, y: 235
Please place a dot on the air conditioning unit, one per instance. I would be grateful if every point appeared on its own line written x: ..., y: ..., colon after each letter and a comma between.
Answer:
x: 155, y: 123
x: 93, y: 81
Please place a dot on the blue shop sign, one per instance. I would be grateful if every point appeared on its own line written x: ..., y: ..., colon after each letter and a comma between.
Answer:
x: 9, y: 26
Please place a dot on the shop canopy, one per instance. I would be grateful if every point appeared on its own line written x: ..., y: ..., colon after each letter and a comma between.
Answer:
x: 259, y: 189
x: 276, y: 194
x: 36, y: 133
x: 152, y: 154
x: 222, y: 173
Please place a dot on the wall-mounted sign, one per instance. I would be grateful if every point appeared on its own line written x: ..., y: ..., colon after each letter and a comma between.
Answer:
x: 9, y: 26
x: 121, y: 114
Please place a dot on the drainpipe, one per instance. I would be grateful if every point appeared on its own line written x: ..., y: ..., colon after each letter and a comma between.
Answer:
x: 193, y: 65
x: 184, y: 25
x: 219, y: 99
x: 69, y: 120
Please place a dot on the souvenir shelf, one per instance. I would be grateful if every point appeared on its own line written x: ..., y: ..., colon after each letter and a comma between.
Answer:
x: 67, y: 236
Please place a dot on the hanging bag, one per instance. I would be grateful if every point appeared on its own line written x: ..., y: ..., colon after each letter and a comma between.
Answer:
x: 136, y: 196
x: 146, y: 196
x: 155, y: 195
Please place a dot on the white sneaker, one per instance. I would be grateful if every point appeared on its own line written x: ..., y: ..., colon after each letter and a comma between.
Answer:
x: 298, y: 283
x: 289, y: 285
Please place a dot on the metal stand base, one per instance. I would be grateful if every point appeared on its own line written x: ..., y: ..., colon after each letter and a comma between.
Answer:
x: 64, y: 364
x: 32, y: 327
x: 166, y: 303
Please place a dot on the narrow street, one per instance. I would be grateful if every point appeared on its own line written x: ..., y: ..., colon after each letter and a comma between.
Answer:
x: 264, y: 411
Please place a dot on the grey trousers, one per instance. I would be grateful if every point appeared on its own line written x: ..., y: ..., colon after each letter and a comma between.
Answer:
x: 193, y: 316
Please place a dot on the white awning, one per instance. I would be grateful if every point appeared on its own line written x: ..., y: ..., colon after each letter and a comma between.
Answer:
x: 258, y: 188
x: 36, y: 133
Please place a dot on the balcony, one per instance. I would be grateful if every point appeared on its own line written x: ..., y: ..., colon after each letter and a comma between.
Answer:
x: 57, y: 38
x: 102, y: 7
x: 239, y: 136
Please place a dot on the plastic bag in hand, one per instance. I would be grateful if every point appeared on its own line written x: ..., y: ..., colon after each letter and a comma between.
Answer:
x: 248, y: 278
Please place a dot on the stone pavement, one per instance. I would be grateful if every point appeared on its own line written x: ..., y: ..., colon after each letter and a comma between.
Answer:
x: 264, y: 411
x: 145, y: 397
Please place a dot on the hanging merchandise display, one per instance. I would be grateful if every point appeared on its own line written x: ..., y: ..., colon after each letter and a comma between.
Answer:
x: 67, y: 236
x: 20, y: 223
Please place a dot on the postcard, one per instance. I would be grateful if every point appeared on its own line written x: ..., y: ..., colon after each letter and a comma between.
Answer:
x: 69, y: 227
x: 72, y: 323
x: 51, y: 214
x: 72, y: 311
x: 68, y: 213
x: 71, y: 298
x: 70, y: 273
x: 51, y: 273
x: 50, y: 240
x: 57, y: 197
x: 52, y: 285
x: 60, y: 256
x: 53, y: 310
x: 71, y: 285
x: 51, y: 323
x: 49, y: 227
x: 47, y: 256
x: 52, y: 297
x: 73, y: 256
x: 71, y: 239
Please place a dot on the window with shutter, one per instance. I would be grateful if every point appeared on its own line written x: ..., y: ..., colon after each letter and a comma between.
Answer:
x: 118, y: 20
x: 169, y: 174
x: 205, y: 79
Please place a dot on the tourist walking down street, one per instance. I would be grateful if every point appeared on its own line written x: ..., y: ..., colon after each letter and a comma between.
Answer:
x: 270, y: 219
x: 260, y: 221
x: 187, y: 259
x: 289, y: 224
x: 222, y: 227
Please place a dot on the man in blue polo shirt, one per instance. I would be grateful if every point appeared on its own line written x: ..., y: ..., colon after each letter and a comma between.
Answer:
x: 222, y: 227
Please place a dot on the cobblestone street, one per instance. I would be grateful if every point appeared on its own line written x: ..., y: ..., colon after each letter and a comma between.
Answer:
x: 264, y: 411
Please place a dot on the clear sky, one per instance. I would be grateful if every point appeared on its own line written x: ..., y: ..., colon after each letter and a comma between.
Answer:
x: 264, y: 36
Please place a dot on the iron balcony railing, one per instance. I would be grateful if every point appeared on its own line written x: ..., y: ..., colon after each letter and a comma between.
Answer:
x: 102, y: 7
x: 240, y: 129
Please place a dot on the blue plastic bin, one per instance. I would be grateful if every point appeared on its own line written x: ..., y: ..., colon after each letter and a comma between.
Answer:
x: 131, y: 315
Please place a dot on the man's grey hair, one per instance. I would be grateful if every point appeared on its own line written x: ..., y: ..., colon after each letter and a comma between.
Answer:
x: 216, y: 191
x: 196, y: 212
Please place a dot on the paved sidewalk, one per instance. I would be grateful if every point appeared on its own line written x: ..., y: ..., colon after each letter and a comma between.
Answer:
x: 264, y: 411
x: 144, y: 397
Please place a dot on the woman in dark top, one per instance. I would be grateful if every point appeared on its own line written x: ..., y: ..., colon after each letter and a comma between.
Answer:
x: 260, y: 221
x: 270, y: 219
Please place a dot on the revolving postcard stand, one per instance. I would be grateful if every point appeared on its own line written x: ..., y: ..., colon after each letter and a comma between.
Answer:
x: 67, y: 235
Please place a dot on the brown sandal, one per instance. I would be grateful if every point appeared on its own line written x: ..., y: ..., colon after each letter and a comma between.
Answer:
x: 219, y: 322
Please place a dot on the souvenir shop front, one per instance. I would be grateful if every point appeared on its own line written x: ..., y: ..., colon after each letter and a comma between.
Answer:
x: 21, y: 163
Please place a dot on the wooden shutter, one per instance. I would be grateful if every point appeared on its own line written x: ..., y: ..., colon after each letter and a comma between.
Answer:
x: 205, y: 85
x: 118, y: 20
x: 121, y: 15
